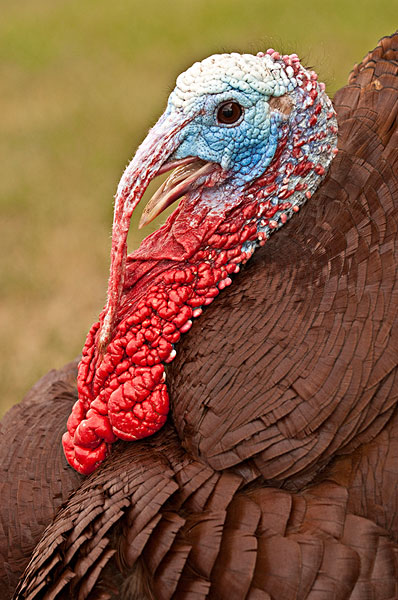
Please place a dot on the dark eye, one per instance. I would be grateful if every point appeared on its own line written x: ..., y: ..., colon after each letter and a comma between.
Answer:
x: 229, y: 113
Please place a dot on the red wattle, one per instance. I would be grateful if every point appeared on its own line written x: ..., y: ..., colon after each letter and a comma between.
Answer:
x: 123, y: 393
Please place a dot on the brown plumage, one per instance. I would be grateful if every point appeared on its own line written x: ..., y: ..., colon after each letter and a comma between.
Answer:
x: 276, y: 477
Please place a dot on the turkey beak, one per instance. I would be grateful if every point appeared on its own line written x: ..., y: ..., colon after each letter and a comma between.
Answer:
x: 149, y: 161
x: 187, y: 175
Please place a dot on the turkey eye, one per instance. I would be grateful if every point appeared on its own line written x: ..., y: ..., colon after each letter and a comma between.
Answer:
x: 229, y: 113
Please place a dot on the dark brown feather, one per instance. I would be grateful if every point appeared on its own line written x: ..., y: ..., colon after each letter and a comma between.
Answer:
x: 34, y: 477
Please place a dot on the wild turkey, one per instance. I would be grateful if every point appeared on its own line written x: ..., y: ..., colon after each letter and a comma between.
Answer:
x: 275, y: 476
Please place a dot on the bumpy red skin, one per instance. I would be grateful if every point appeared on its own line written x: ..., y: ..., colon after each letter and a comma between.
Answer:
x: 123, y: 394
x: 168, y: 281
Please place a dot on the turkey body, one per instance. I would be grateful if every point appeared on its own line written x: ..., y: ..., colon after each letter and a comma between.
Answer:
x: 276, y: 477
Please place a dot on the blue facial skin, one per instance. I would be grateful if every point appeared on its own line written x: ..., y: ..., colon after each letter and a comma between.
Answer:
x: 244, y: 148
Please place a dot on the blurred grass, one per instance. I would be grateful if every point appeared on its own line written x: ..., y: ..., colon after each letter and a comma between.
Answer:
x: 81, y: 82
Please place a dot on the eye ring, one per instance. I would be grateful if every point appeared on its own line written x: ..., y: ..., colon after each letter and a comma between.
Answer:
x: 229, y: 113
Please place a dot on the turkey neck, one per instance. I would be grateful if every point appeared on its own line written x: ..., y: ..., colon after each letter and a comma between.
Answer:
x: 176, y: 273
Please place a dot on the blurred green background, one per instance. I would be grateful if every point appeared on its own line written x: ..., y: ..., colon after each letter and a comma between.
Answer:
x: 81, y: 81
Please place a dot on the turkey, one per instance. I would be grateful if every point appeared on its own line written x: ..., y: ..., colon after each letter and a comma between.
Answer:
x: 274, y: 476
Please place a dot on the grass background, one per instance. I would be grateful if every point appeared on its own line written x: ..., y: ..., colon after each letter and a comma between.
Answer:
x: 81, y: 81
